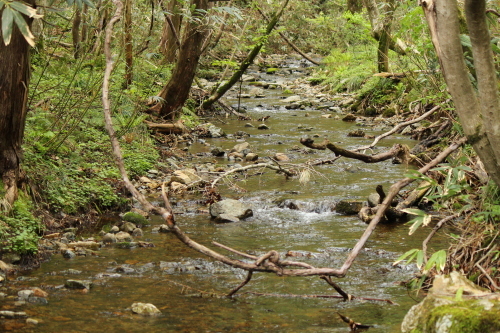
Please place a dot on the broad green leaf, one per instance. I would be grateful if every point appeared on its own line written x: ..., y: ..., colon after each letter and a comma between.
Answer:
x: 438, y: 260
x: 420, y: 258
x: 23, y: 27
x: 7, y: 25
x: 416, y: 223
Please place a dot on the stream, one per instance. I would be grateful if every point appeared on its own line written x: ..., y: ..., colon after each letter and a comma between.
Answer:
x: 187, y: 287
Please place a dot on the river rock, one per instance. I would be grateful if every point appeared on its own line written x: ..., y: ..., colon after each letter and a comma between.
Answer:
x: 230, y: 207
x: 356, y: 134
x: 137, y: 217
x: 32, y: 321
x: 123, y: 236
x: 293, y: 106
x: 37, y: 300
x: 114, y: 229
x: 39, y: 292
x: 185, y: 176
x: 349, y: 206
x: 249, y: 125
x: 328, y: 115
x: 240, y: 147
x: 109, y: 238
x: 145, y: 309
x: 24, y: 294
x: 292, y: 99
x: 68, y: 254
x: 78, y: 284
x: 137, y: 232
x: 178, y: 187
x: 443, y: 311
x: 373, y: 199
x: 127, y: 227
x: 209, y: 130
x: 218, y: 152
x: 11, y: 258
x: 12, y: 314
x: 280, y: 157
x: 263, y: 127
x: 349, y: 117
x: 250, y: 157
x: 4, y: 267
x: 226, y: 218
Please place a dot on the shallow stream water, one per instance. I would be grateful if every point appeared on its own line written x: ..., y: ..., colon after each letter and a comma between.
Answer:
x: 186, y: 286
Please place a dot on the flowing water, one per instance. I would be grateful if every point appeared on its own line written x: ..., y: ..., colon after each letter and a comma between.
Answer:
x: 186, y: 286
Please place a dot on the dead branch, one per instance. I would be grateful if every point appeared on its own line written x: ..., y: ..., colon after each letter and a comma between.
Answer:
x: 395, y: 151
x: 398, y: 127
x: 345, y: 296
x: 253, y: 166
x: 318, y: 296
x: 175, y: 128
x: 235, y: 290
x: 433, y: 232
x: 393, y: 191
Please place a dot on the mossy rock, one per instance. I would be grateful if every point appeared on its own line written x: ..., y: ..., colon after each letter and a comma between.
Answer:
x: 271, y: 70
x: 444, y: 311
x: 349, y: 206
x: 135, y: 218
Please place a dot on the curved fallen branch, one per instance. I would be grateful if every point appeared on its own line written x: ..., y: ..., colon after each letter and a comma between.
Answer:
x: 396, y: 151
x: 252, y: 166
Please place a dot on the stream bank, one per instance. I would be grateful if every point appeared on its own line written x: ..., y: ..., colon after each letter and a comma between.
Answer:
x: 186, y: 287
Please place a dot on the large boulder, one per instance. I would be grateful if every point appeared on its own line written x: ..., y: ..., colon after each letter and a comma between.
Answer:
x: 230, y: 207
x: 454, y: 304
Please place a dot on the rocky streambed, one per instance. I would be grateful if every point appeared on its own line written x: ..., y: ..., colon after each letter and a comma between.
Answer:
x: 106, y: 281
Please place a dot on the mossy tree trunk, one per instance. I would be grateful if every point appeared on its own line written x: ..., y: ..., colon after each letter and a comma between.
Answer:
x: 169, y: 41
x: 14, y: 82
x: 247, y: 62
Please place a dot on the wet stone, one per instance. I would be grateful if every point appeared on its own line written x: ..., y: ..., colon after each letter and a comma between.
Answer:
x: 12, y: 314
x: 123, y: 237
x: 137, y: 232
x: 128, y: 227
x: 114, y: 229
x: 68, y: 254
x: 109, y: 238
x: 145, y: 309
x: 38, y: 300
x: 24, y: 294
x: 349, y: 206
x: 263, y: 127
x: 226, y: 218
x: 78, y: 284
x: 125, y: 270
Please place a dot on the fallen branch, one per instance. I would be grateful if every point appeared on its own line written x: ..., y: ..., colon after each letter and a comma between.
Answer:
x: 252, y: 166
x: 395, y: 151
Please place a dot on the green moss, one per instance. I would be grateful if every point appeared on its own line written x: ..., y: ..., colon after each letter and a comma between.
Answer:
x: 466, y: 318
x: 136, y: 218
x: 271, y: 70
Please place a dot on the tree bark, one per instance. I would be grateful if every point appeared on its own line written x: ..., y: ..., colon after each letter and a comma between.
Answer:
x: 129, y: 58
x: 177, y: 89
x: 75, y: 32
x: 14, y: 82
x: 442, y: 18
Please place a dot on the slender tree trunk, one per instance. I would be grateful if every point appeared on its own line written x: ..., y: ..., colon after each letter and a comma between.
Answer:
x: 75, y: 32
x: 478, y: 114
x: 129, y: 58
x: 246, y: 63
x: 14, y: 82
x: 177, y: 89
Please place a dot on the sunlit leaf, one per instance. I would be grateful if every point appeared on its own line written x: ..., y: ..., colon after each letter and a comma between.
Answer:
x: 408, y: 255
x: 24, y: 9
x: 23, y: 27
x: 7, y: 25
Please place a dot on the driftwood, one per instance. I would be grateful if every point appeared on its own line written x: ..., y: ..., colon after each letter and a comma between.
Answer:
x: 169, y: 128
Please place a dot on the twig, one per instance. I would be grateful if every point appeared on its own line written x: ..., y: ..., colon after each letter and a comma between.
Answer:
x: 235, y: 290
x: 345, y: 296
x: 493, y: 284
x: 399, y: 126
x: 433, y: 232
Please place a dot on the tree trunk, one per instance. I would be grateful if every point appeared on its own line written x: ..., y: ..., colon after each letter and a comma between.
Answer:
x: 479, y: 114
x: 246, y: 63
x: 14, y: 81
x: 177, y: 89
x: 75, y: 32
x: 129, y: 59
x: 169, y: 40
